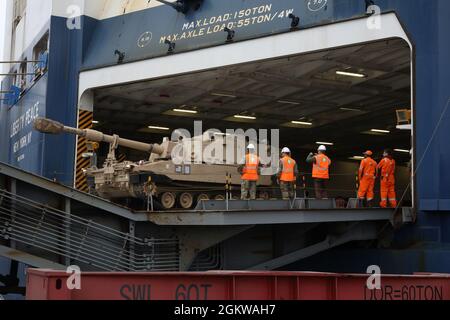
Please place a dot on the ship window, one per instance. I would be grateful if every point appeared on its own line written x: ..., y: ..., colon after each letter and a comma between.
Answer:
x: 41, y: 47
x: 40, y: 54
x: 22, y: 77
x: 16, y: 78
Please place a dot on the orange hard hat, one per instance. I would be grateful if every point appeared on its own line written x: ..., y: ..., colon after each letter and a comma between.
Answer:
x: 368, y: 153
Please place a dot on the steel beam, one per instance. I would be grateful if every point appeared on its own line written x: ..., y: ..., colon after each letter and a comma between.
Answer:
x: 16, y: 74
x: 132, y: 244
x: 67, y: 224
x: 29, y: 259
x: 195, y: 240
x: 358, y: 232
x: 23, y: 61
x: 13, y: 186
x: 268, y: 217
x: 46, y: 184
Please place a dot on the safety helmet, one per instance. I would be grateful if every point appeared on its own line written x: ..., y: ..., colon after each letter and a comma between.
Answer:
x: 286, y: 150
x: 322, y: 148
x: 251, y: 146
x: 368, y: 153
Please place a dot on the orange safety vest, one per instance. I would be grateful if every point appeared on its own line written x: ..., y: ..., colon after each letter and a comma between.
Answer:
x: 250, y: 172
x: 387, y: 167
x: 288, y: 174
x: 368, y: 168
x: 321, y: 167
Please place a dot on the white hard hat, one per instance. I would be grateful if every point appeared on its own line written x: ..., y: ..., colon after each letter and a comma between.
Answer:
x: 286, y: 150
x: 251, y: 146
x: 322, y: 148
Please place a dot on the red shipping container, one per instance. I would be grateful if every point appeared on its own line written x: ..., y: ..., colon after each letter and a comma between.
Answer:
x: 52, y: 285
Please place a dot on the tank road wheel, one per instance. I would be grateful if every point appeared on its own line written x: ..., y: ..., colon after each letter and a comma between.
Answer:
x: 202, y: 197
x: 168, y: 200
x: 186, y: 200
x: 219, y: 197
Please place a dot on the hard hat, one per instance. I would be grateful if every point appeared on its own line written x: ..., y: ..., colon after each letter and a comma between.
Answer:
x: 251, y: 146
x: 368, y: 153
x: 322, y: 148
x: 286, y: 150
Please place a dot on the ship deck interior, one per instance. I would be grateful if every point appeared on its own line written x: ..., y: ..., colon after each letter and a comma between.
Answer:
x: 342, y: 110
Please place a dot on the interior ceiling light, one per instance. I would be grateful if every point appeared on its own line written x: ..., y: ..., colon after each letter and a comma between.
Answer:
x: 351, y: 74
x: 351, y: 109
x: 238, y: 116
x: 405, y: 127
x: 303, y: 123
x: 357, y: 158
x: 380, y: 131
x: 217, y: 94
x: 185, y: 111
x: 402, y: 150
x: 95, y: 122
x: 159, y: 128
x: 325, y: 143
x: 288, y: 102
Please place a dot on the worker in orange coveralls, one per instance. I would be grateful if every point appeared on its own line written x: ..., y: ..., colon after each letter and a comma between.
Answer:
x: 367, y: 176
x: 386, y: 169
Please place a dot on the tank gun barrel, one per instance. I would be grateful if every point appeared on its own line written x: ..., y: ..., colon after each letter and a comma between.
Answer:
x: 53, y: 127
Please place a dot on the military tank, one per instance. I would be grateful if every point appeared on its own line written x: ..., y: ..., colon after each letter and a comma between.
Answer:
x: 160, y: 180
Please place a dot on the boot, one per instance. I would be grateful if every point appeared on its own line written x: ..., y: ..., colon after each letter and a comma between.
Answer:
x: 361, y: 203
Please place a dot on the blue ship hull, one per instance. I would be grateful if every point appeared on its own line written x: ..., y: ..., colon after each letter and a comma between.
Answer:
x: 422, y: 247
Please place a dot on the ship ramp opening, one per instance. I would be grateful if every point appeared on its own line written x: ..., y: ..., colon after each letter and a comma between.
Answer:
x: 350, y: 93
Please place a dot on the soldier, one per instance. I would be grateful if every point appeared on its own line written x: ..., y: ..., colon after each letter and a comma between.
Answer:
x: 287, y: 174
x: 249, y: 170
x: 321, y: 171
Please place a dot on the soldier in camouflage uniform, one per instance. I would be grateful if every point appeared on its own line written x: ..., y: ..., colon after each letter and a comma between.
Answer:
x: 249, y: 170
x: 287, y: 174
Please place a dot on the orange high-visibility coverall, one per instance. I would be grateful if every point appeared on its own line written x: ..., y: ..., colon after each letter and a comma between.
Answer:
x: 387, y: 169
x: 367, y: 175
